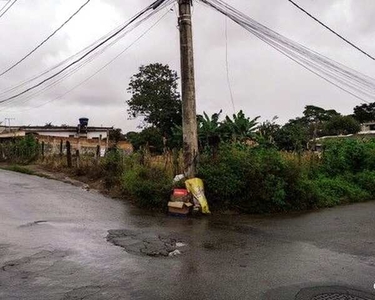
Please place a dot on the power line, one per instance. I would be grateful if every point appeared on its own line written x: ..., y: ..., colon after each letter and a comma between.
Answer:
x: 331, y: 30
x: 84, y: 62
x: 227, y: 66
x: 101, y: 68
x: 5, y: 5
x: 4, y: 12
x: 153, y: 6
x: 46, y: 39
x: 353, y: 82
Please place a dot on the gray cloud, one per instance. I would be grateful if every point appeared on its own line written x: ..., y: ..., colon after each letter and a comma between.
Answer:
x: 264, y: 82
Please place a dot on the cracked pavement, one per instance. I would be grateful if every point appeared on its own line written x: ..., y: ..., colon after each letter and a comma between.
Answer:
x: 53, y: 245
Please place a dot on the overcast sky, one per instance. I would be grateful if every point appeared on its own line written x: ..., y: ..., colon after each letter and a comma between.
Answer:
x: 264, y: 82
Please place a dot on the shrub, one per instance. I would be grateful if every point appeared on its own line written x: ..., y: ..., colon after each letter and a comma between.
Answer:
x: 256, y: 180
x: 366, y: 181
x: 335, y: 191
x: 112, y: 168
x: 21, y: 151
x: 150, y: 187
x: 348, y: 155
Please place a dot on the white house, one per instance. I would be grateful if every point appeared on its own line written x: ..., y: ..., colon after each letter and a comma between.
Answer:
x: 82, y: 130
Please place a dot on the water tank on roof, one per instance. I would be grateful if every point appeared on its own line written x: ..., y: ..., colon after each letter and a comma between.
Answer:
x: 83, y: 122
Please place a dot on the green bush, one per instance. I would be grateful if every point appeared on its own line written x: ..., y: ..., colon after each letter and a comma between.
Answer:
x: 263, y: 180
x: 22, y: 151
x: 112, y: 167
x: 335, y: 191
x: 259, y: 179
x: 366, y: 181
x: 255, y: 180
x: 348, y: 155
x: 150, y: 187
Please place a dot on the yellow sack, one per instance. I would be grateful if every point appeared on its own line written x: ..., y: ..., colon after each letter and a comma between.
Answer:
x: 195, y: 186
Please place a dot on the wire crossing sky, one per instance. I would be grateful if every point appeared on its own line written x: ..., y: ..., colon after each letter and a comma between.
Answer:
x: 331, y: 30
x: 355, y: 83
x: 90, y: 54
x: 5, y: 8
x: 96, y: 72
x: 264, y: 82
x: 45, y: 40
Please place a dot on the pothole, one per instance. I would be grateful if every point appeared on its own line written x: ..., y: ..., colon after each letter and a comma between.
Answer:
x: 146, y: 243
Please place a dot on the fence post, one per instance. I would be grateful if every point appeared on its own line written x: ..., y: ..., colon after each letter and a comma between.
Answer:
x: 43, y: 150
x: 97, y: 156
x: 68, y: 154
x: 61, y: 147
x: 77, y: 159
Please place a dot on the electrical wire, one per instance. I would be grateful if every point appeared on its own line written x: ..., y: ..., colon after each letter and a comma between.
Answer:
x: 8, y: 8
x: 85, y: 62
x: 46, y: 39
x: 88, y: 60
x: 227, y: 66
x: 351, y: 81
x: 153, y: 7
x: 79, y: 66
x: 331, y: 30
x: 101, y: 68
x: 5, y: 5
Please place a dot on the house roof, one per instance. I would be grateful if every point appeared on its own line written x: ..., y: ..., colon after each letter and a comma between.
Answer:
x: 54, y: 128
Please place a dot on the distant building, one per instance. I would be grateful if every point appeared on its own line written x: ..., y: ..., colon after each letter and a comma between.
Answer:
x: 82, y: 130
x: 367, y: 131
x: 82, y: 137
x: 58, y: 131
x: 368, y: 127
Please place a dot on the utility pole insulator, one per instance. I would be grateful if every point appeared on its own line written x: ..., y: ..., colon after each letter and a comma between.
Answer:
x: 189, y: 115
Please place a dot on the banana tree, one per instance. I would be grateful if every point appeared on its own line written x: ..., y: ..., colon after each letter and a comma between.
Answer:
x: 239, y: 128
x: 209, y: 130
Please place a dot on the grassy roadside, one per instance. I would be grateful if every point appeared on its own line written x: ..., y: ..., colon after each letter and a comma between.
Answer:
x: 24, y: 170
x: 18, y: 169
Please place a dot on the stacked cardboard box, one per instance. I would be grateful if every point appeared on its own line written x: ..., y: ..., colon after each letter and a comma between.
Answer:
x: 180, y: 202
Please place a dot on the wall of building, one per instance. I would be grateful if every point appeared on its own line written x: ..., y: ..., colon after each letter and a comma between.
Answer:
x: 90, y: 135
x: 85, y: 146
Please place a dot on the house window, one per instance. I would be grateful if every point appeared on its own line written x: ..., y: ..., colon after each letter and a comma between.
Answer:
x: 372, y: 127
x: 71, y: 135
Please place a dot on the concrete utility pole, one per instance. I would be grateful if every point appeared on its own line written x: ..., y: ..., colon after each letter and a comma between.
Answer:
x: 189, y: 115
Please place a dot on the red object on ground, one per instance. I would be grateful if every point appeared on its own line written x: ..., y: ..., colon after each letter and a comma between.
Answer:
x: 180, y: 193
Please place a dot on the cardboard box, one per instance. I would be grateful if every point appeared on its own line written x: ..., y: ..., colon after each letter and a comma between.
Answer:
x: 178, y: 207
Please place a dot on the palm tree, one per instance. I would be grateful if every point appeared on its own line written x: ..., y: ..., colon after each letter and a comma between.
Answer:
x: 240, y: 128
x: 209, y: 129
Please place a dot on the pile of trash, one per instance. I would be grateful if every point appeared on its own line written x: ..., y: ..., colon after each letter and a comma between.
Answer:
x: 191, y: 199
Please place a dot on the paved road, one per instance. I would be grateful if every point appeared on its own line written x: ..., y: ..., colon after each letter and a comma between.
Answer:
x: 53, y: 246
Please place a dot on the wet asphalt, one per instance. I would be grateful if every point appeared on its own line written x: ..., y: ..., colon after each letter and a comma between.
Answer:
x: 53, y: 246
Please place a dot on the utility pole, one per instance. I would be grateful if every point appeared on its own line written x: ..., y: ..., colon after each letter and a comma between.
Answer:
x: 189, y: 115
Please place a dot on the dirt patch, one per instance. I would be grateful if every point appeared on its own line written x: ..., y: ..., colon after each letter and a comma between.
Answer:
x: 145, y: 243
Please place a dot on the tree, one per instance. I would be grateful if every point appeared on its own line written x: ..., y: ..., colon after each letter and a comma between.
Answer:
x: 315, y: 117
x: 293, y: 136
x: 155, y: 97
x: 240, y: 128
x: 342, y: 125
x: 149, y: 137
x: 209, y: 130
x: 267, y: 132
x: 116, y: 135
x: 365, y: 112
